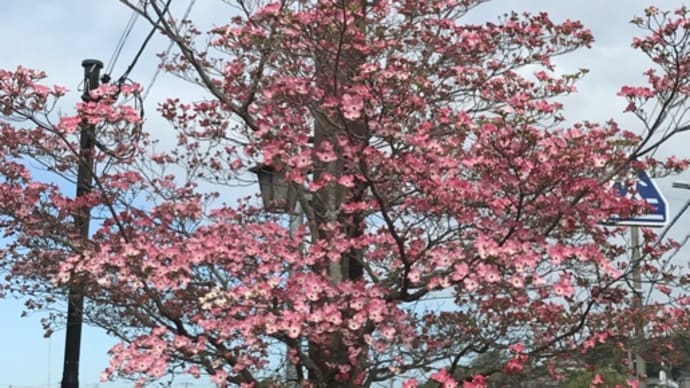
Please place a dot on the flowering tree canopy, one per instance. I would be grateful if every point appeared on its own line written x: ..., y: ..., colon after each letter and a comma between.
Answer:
x: 448, y: 210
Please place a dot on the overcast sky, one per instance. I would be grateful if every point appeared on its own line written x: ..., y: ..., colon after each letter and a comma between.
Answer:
x: 56, y: 35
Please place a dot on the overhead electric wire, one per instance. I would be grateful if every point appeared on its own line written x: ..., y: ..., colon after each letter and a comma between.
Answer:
x: 165, y: 56
x: 124, y: 76
x: 121, y: 43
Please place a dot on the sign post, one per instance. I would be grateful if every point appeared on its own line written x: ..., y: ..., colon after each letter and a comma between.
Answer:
x: 655, y: 217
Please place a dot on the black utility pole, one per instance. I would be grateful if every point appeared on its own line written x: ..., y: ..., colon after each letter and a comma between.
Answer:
x: 70, y: 371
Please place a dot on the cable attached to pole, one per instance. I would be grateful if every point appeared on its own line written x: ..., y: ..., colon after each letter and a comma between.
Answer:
x: 124, y: 76
x: 120, y: 45
x: 167, y: 53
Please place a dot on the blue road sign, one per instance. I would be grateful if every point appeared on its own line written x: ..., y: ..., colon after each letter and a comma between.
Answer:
x: 657, y: 215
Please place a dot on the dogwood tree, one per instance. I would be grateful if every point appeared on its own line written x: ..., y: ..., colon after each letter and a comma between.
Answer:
x: 448, y: 210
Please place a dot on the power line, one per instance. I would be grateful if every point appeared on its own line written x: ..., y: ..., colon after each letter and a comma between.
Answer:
x: 165, y: 56
x: 120, y: 81
x: 121, y: 43
x: 124, y: 76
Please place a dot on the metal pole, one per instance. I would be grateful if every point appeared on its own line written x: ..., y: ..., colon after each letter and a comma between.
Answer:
x: 640, y: 366
x: 70, y: 372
